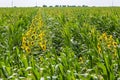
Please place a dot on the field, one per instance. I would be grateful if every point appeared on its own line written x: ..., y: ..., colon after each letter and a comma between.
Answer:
x: 71, y: 43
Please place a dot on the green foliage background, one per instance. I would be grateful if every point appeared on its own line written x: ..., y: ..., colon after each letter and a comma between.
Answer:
x: 72, y: 37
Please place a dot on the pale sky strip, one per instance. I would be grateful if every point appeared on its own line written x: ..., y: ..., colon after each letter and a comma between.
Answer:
x: 20, y: 3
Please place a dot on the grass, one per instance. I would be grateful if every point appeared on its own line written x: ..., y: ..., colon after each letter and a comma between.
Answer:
x: 60, y: 43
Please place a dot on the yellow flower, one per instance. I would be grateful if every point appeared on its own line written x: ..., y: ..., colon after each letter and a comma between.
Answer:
x: 81, y: 59
x: 23, y: 56
x: 99, y: 48
x: 27, y: 49
x: 34, y: 32
x: 33, y: 21
x: 115, y: 52
x: 33, y: 37
x: 43, y: 46
x: 104, y: 36
x: 93, y: 30
x: 28, y: 43
x: 44, y: 42
x: 114, y: 44
x: 100, y: 39
x: 31, y: 28
x: 40, y: 24
x: 28, y: 34
x: 32, y: 43
x: 109, y: 46
x: 32, y: 25
x: 40, y: 43
x: 23, y: 42
x: 24, y: 39
x: 23, y: 46
x: 111, y: 38
x: 41, y: 35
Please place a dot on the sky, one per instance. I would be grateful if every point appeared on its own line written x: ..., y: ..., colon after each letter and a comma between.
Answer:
x: 30, y: 3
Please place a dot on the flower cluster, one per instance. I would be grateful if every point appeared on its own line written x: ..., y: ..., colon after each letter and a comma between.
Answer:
x: 34, y: 38
x: 106, y: 43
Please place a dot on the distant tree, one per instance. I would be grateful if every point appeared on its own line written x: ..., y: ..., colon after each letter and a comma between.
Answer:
x: 73, y: 6
x: 60, y: 6
x: 79, y: 6
x: 67, y: 5
x: 44, y: 5
x: 56, y: 5
x: 70, y: 6
x: 50, y: 6
x: 15, y: 6
x: 64, y: 6
x: 84, y: 6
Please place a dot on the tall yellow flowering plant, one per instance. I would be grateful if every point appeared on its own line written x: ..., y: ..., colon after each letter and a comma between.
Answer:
x: 107, y: 43
x: 35, y: 36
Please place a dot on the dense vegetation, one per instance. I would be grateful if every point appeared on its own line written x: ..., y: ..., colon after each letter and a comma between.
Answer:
x: 60, y: 43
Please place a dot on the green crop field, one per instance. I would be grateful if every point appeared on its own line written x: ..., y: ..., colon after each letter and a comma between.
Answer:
x: 70, y: 43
